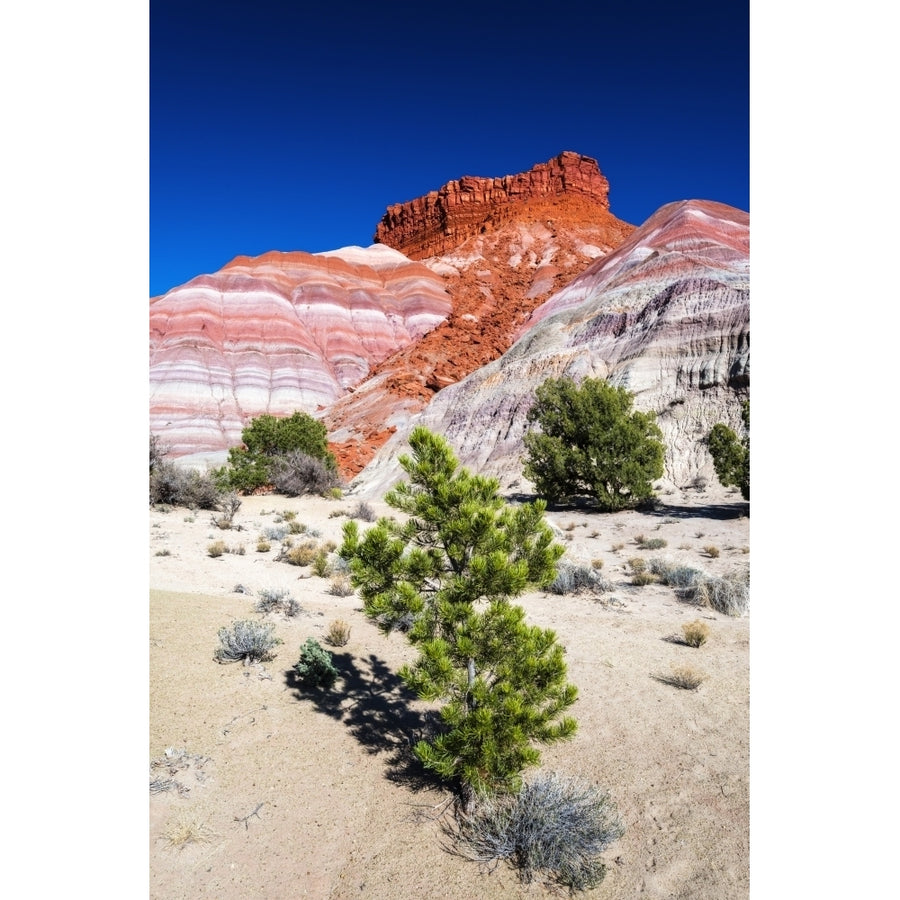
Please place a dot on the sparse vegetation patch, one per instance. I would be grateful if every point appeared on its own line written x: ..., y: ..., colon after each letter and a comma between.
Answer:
x: 555, y: 827
x: 248, y: 641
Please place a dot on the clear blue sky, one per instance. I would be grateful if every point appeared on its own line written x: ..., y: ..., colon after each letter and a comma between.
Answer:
x: 288, y: 126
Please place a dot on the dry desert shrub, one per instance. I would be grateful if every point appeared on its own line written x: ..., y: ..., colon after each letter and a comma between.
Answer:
x: 338, y: 633
x: 683, y: 677
x: 363, y: 511
x: 555, y: 827
x: 187, y: 829
x: 729, y: 594
x: 340, y: 586
x: 301, y: 555
x: 263, y: 546
x: 228, y: 505
x: 695, y: 633
x: 248, y: 641
x: 296, y: 473
x: 711, y: 551
x: 674, y: 574
x: 651, y: 543
x: 277, y: 600
x: 217, y: 548
x: 572, y: 578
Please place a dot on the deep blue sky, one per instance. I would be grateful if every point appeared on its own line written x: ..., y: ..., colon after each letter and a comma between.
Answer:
x: 289, y: 126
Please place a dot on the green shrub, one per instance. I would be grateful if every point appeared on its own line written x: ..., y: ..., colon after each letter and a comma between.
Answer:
x: 290, y: 441
x: 315, y: 668
x: 555, y: 826
x: 320, y: 564
x: 590, y: 443
x: 731, y: 455
x: 246, y: 640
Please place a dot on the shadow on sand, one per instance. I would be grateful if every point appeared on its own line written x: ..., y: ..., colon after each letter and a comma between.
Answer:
x: 374, y: 704
x: 659, y: 508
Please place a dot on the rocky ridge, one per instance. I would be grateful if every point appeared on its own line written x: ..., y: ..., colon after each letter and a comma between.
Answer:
x: 496, y: 280
x: 440, y: 221
x: 544, y: 280
x: 667, y: 315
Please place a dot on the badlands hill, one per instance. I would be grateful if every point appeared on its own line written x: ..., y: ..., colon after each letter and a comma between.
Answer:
x: 470, y: 297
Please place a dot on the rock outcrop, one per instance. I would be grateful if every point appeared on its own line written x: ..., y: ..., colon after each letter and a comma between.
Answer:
x: 666, y: 315
x: 535, y: 231
x: 441, y: 220
x: 278, y: 333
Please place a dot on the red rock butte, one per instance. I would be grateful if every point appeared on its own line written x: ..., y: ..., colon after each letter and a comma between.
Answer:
x: 441, y: 220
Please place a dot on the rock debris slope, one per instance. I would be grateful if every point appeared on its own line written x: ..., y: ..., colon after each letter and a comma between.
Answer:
x: 667, y: 315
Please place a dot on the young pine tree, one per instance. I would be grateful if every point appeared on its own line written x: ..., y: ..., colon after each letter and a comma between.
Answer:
x: 451, y: 571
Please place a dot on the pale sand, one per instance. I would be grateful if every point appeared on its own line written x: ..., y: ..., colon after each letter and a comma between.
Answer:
x: 341, y: 817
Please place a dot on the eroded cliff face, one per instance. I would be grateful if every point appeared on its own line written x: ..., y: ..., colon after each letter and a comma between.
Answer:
x: 667, y: 316
x: 517, y: 240
x: 440, y: 221
x: 278, y: 333
x: 518, y: 279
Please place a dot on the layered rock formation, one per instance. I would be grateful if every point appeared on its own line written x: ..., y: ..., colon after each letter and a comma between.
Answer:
x: 666, y: 315
x: 534, y: 232
x: 278, y: 333
x: 441, y: 220
x: 519, y: 279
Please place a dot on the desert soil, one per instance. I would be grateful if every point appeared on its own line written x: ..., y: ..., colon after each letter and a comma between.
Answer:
x: 271, y: 792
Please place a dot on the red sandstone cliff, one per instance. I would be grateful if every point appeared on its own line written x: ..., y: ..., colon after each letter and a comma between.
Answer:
x: 441, y: 220
x: 507, y: 245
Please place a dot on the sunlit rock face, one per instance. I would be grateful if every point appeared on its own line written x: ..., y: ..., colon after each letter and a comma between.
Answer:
x: 440, y: 221
x: 667, y: 315
x: 504, y: 246
x: 278, y: 333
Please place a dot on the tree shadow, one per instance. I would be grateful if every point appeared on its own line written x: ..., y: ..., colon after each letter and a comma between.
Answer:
x: 657, y: 507
x: 733, y: 510
x: 375, y: 705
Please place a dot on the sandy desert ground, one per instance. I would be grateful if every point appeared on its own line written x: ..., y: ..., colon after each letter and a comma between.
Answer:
x: 293, y: 795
